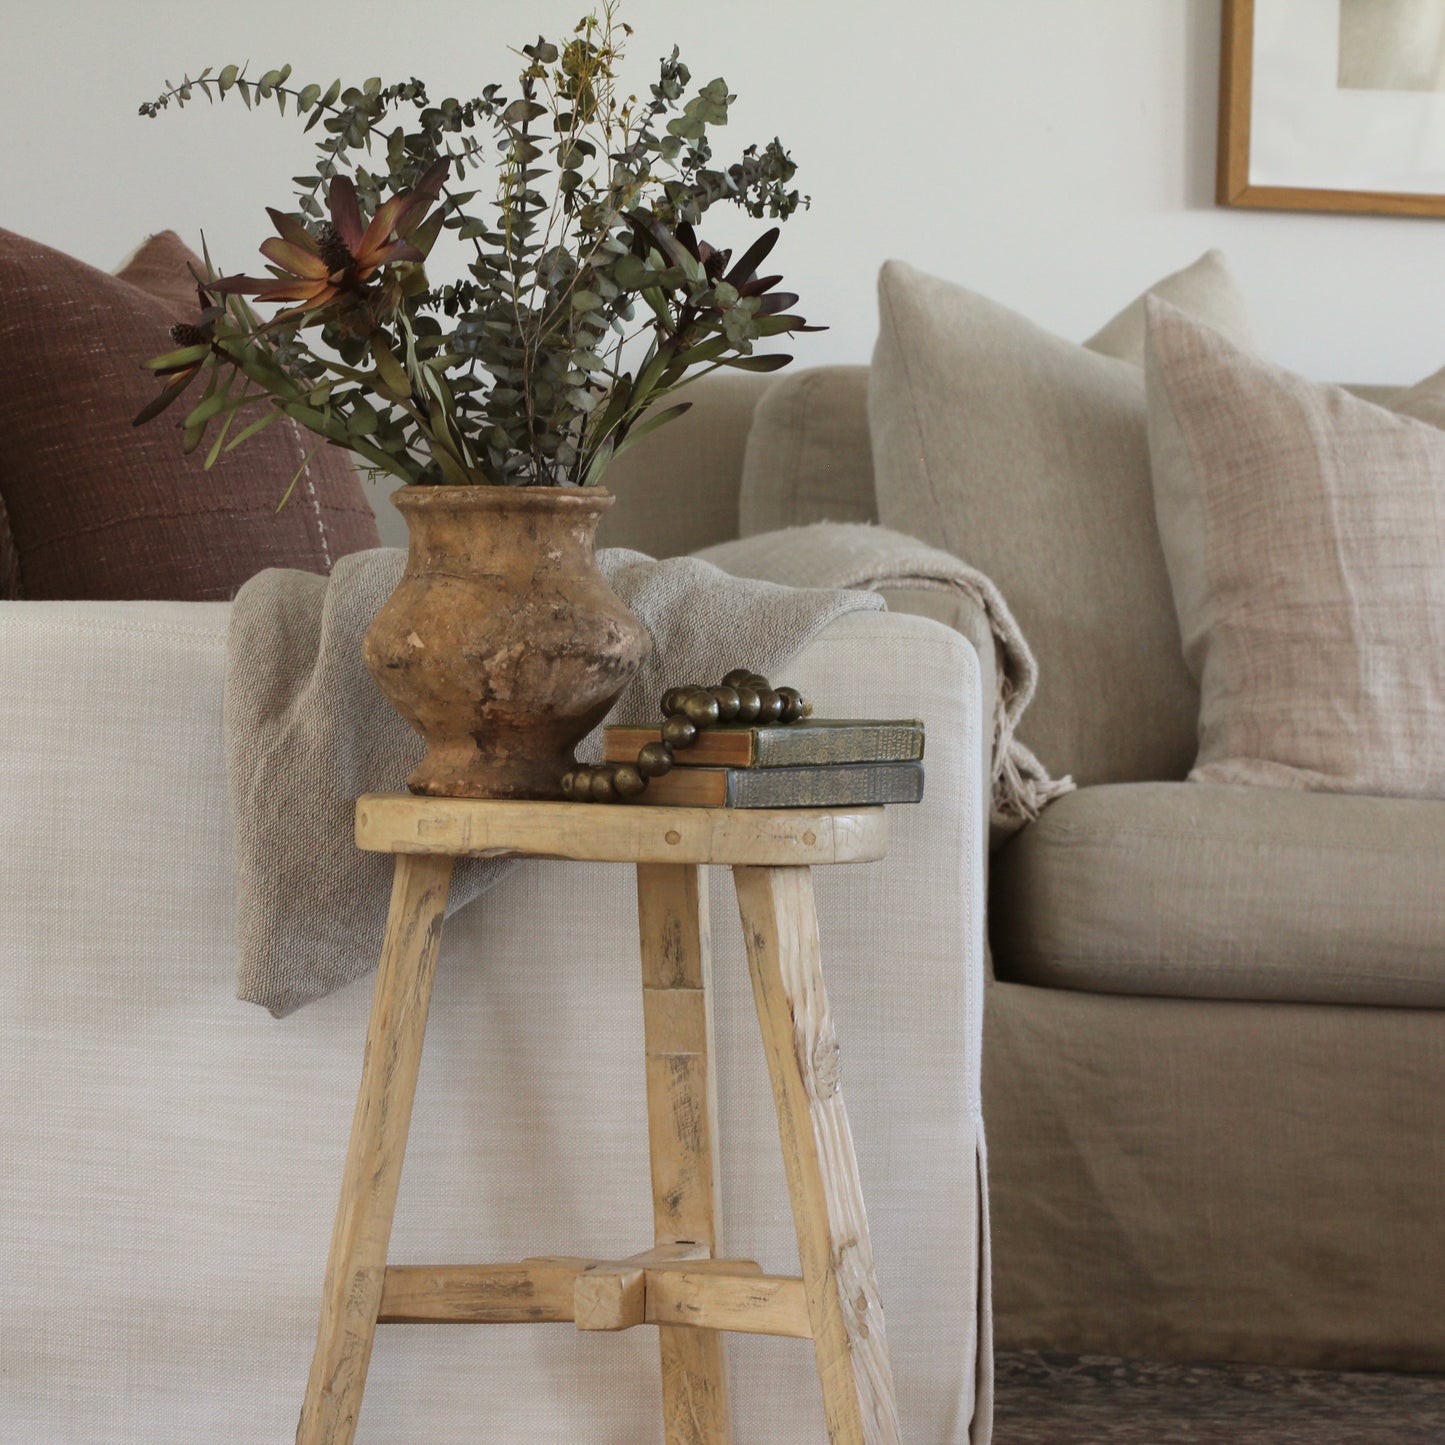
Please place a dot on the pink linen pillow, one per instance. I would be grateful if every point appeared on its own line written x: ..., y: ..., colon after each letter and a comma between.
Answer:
x: 1304, y: 533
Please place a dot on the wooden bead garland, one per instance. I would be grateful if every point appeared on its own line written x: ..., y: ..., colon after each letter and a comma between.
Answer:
x: 743, y: 696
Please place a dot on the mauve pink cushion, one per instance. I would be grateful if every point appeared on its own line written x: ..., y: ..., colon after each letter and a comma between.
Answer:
x: 93, y: 508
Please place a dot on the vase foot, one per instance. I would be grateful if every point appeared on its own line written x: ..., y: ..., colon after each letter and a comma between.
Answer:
x: 459, y: 768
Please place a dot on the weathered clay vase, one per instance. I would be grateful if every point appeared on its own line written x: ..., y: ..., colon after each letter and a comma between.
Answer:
x: 503, y: 645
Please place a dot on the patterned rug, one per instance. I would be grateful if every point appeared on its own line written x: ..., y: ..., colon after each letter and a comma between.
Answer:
x: 1054, y: 1399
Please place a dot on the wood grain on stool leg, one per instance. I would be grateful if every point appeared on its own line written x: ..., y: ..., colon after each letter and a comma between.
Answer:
x: 682, y: 1128
x: 356, y: 1268
x: 780, y: 927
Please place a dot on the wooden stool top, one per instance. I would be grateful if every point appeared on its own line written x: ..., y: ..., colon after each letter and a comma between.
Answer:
x: 620, y: 833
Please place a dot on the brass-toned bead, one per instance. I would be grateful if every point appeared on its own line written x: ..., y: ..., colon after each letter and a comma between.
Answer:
x: 727, y: 703
x: 759, y: 683
x: 679, y: 731
x: 600, y: 789
x: 793, y: 704
x: 672, y: 700
x: 737, y: 677
x: 581, y: 784
x: 627, y: 781
x: 701, y: 708
x: 748, y: 704
x: 654, y: 759
x: 567, y: 784
x: 770, y: 707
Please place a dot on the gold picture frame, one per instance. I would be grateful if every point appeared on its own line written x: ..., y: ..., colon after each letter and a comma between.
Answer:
x: 1234, y: 188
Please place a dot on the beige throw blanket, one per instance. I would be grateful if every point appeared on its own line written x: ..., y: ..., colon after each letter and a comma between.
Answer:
x: 855, y: 554
x: 307, y: 732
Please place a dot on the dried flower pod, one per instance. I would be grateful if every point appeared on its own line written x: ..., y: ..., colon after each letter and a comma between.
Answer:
x: 654, y: 760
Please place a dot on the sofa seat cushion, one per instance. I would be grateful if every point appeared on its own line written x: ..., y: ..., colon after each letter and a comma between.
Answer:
x: 1209, y: 891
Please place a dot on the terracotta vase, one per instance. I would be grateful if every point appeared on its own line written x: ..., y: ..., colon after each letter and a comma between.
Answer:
x: 503, y: 645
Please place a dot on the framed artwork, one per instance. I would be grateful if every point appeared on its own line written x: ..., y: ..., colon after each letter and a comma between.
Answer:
x: 1333, y: 105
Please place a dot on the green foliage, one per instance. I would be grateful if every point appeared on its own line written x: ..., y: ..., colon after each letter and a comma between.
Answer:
x: 588, y: 298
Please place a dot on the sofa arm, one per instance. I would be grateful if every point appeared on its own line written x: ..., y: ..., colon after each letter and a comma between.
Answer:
x: 965, y: 616
x: 172, y: 1157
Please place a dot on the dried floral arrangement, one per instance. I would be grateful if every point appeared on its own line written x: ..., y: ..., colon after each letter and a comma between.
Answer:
x: 589, y: 295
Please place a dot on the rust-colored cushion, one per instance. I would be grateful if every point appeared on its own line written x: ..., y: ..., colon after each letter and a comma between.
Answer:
x: 93, y: 508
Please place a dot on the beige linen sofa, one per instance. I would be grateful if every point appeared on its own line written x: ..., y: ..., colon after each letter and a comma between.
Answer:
x: 170, y: 1158
x: 1215, y: 1018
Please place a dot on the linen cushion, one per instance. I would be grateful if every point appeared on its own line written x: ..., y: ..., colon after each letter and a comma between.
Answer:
x: 1305, y: 536
x: 809, y: 457
x: 677, y: 489
x: 99, y: 509
x: 1027, y: 456
x: 1227, y: 892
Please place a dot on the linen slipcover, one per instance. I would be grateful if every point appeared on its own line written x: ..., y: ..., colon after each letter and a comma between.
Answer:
x: 170, y: 1158
x: 1196, y: 1179
x: 1187, y: 1179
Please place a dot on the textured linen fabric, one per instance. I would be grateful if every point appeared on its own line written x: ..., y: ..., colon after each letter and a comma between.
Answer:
x: 1237, y: 893
x: 853, y: 555
x: 98, y: 508
x: 170, y: 1158
x: 1304, y: 531
x: 9, y: 559
x: 809, y: 458
x: 300, y: 704
x: 1028, y: 457
x: 1207, y: 1180
x: 809, y: 453
x: 162, y: 266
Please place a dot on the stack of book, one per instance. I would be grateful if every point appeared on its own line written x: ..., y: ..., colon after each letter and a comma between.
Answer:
x: 814, y: 764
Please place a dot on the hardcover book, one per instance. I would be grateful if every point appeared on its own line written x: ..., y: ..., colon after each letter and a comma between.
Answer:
x: 803, y: 744
x: 835, y: 785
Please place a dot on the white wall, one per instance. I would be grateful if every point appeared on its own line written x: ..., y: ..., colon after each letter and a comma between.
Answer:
x: 1054, y: 154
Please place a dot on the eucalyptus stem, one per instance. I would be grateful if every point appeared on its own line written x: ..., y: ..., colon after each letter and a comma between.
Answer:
x: 517, y: 371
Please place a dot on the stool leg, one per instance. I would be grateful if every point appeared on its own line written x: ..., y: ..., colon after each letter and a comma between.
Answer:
x: 780, y: 926
x: 357, y: 1265
x: 682, y: 1128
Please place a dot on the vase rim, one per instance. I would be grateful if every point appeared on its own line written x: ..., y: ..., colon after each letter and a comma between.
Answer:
x: 494, y: 497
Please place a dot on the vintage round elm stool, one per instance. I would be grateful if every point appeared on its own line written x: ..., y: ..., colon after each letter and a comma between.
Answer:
x: 677, y: 1285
